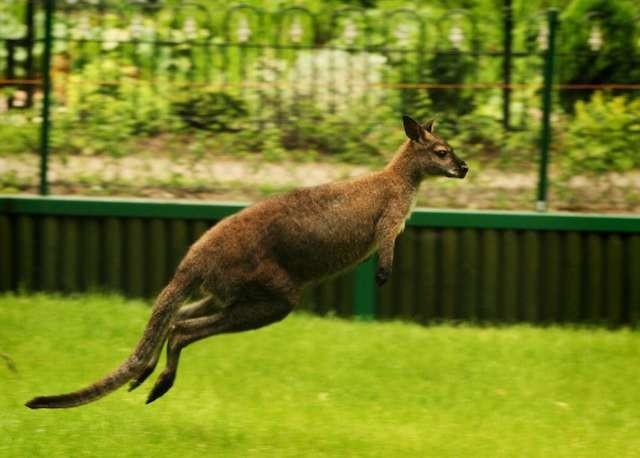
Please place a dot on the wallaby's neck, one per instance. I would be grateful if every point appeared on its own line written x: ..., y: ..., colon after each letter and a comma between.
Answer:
x: 404, y: 166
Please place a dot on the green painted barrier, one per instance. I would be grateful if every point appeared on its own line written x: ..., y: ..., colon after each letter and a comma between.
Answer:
x: 136, y: 263
x: 632, y: 278
x: 469, y: 279
x: 614, y: 277
x: 113, y: 249
x: 428, y: 292
x: 69, y: 255
x: 364, y: 293
x: 594, y: 285
x: 571, y: 278
x: 156, y: 258
x: 531, y: 265
x: 510, y: 282
x: 6, y: 254
x: 92, y: 258
x: 446, y: 267
x: 48, y: 254
x: 551, y: 284
x: 449, y: 283
x: 24, y: 255
x: 490, y: 268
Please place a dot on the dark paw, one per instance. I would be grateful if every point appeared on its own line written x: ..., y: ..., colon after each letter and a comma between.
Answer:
x: 37, y: 403
x: 165, y: 381
x: 136, y: 382
x: 382, y: 275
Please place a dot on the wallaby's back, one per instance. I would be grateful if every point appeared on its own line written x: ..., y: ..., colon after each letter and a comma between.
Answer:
x: 310, y: 232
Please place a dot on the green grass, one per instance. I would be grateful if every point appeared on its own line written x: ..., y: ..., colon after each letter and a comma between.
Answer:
x: 320, y: 387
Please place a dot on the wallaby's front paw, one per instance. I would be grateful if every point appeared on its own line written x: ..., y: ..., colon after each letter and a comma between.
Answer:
x: 382, y: 275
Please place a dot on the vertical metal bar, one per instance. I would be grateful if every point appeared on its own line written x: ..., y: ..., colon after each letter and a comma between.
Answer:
x: 507, y: 16
x: 28, y: 44
x: 46, y: 98
x: 10, y: 45
x: 364, y: 293
x: 545, y: 141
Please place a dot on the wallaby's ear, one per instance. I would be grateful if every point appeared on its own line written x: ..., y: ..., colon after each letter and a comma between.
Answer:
x: 412, y: 128
x: 429, y: 125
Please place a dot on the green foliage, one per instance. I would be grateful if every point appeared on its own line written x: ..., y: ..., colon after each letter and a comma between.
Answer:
x: 210, y: 110
x: 110, y: 112
x: 451, y: 67
x: 19, y: 132
x: 617, y: 60
x: 603, y: 137
x: 350, y: 136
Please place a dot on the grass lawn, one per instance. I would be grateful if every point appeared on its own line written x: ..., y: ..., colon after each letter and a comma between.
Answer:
x: 320, y: 387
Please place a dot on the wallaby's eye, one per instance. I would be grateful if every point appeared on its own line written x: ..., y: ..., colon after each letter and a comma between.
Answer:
x: 441, y: 153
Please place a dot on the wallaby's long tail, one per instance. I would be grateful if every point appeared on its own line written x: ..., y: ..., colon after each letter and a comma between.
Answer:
x: 164, y: 309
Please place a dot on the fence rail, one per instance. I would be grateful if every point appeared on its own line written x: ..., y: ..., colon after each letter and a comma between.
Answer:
x: 449, y: 265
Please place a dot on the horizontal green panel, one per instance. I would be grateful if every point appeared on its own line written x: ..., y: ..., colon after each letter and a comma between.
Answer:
x: 149, y: 208
x: 525, y: 220
x: 138, y: 208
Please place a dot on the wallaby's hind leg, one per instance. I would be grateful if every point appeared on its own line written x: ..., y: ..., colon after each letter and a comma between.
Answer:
x: 239, y: 316
x: 205, y: 306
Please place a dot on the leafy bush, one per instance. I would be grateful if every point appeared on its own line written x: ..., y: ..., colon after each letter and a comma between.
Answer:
x: 603, y: 137
x: 108, y: 113
x: 617, y: 60
x: 209, y: 110
x: 19, y: 132
x: 451, y: 67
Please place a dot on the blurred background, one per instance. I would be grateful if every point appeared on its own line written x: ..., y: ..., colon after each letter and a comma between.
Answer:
x: 210, y: 100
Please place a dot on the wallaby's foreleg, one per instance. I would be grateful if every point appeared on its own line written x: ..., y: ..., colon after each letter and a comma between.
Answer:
x: 205, y: 306
x: 239, y: 316
x: 385, y: 259
x: 388, y: 228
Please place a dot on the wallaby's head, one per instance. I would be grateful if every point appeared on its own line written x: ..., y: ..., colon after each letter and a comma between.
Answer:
x: 431, y: 154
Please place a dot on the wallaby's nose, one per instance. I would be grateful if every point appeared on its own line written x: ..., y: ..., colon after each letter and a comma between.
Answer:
x: 464, y: 168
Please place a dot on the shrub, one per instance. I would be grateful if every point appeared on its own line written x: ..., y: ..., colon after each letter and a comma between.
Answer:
x: 210, y: 110
x: 108, y: 113
x: 603, y: 137
x: 616, y: 61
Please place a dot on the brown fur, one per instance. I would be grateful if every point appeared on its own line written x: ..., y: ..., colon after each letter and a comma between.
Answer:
x: 254, y: 264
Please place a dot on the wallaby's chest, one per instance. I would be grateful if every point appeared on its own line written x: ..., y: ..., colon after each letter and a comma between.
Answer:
x: 319, y: 243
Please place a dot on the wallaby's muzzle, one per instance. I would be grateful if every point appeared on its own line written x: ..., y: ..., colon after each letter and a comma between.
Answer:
x: 459, y: 171
x: 463, y: 168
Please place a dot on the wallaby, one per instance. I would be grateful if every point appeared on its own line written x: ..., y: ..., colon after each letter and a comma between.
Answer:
x: 253, y: 264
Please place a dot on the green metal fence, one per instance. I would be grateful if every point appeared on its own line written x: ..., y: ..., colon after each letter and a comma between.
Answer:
x: 116, y: 78
x: 449, y: 265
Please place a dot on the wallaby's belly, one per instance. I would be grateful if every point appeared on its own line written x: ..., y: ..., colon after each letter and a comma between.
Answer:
x: 317, y: 246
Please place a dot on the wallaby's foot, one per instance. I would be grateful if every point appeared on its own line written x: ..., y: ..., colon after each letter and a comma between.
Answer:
x: 164, y: 382
x: 37, y: 403
x: 136, y: 382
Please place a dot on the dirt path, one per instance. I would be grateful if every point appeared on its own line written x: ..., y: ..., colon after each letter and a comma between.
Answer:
x: 223, y: 178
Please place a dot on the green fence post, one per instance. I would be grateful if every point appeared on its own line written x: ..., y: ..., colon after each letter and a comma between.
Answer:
x: 507, y: 41
x: 364, y: 293
x: 46, y: 95
x: 545, y: 141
